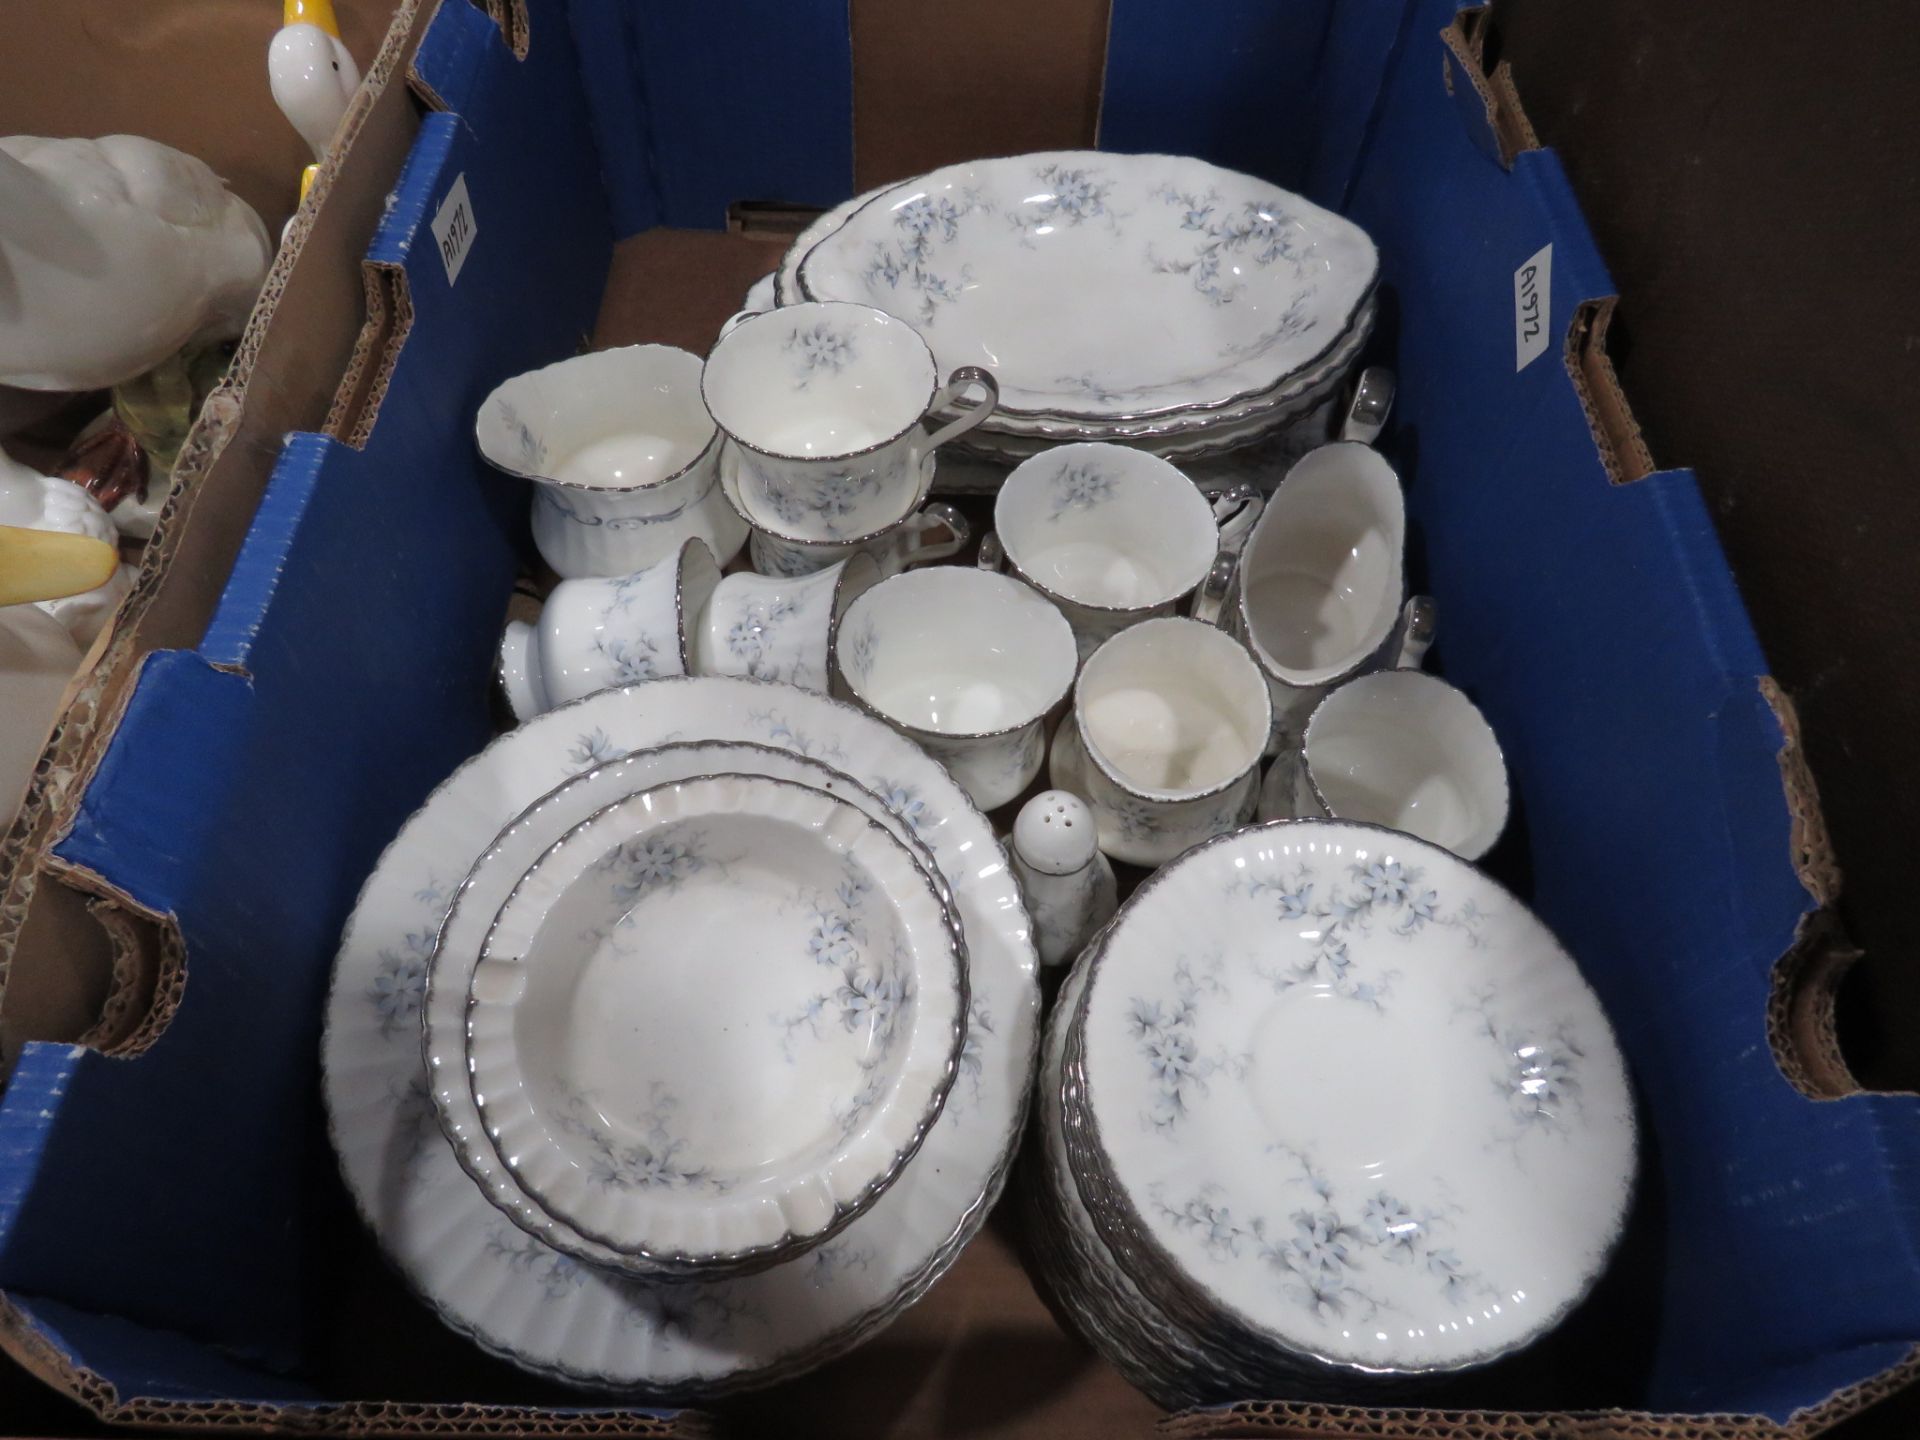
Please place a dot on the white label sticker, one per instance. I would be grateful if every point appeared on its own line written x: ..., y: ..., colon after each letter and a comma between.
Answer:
x: 454, y: 229
x: 1532, y: 304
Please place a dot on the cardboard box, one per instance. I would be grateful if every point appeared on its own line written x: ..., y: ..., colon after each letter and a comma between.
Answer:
x: 173, y: 1250
x: 193, y: 76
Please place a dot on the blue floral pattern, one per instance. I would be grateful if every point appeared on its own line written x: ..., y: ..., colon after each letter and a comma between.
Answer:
x: 1163, y: 1033
x: 1078, y: 486
x: 1380, y: 893
x: 824, y: 502
x: 815, y: 348
x: 906, y: 801
x: 631, y: 658
x: 1539, y: 1072
x: 753, y: 640
x: 529, y: 447
x: 1320, y: 1256
x: 779, y: 731
x: 920, y: 225
x: 1259, y: 233
x: 399, y: 986
x: 869, y: 992
x: 593, y: 749
x: 657, y: 1161
x: 1075, y: 196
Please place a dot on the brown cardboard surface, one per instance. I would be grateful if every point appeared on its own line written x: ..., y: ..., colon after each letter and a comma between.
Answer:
x: 934, y: 84
x: 190, y: 73
x: 174, y: 71
x: 677, y: 287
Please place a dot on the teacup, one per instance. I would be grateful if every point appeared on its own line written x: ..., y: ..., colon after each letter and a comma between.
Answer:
x: 1170, y: 719
x: 931, y: 532
x: 966, y: 664
x: 1112, y: 535
x: 824, y: 403
x: 1399, y: 748
x: 595, y: 634
x: 1317, y: 591
x: 779, y: 627
x: 623, y: 456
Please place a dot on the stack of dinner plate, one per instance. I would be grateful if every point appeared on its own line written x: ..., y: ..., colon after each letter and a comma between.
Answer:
x: 683, y: 1037
x: 1148, y: 300
x: 1323, y: 1109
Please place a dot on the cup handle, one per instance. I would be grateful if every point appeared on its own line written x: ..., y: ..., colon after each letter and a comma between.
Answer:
x: 993, y: 555
x: 1372, y: 402
x: 1235, y: 511
x: 958, y: 383
x: 735, y: 320
x: 1417, y: 624
x: 922, y: 548
x: 1211, y: 598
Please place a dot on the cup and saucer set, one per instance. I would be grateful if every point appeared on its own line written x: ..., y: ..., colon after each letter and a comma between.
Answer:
x: 686, y: 1034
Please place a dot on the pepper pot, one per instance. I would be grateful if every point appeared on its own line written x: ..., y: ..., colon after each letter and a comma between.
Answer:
x: 1069, y: 884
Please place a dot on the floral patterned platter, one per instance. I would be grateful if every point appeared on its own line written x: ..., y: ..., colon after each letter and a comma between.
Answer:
x: 531, y: 1302
x: 1333, y: 1090
x: 1105, y: 288
x: 1180, y: 435
x: 714, y: 1097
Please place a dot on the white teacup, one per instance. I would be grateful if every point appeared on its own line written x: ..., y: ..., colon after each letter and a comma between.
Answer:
x: 1399, y: 748
x: 779, y: 627
x: 825, y: 401
x: 623, y: 456
x: 1170, y: 719
x: 596, y: 634
x: 930, y: 532
x: 1319, y: 587
x: 966, y: 664
x: 1112, y: 535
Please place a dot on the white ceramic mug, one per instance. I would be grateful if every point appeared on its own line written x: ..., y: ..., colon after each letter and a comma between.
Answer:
x: 928, y: 533
x: 1399, y: 748
x: 1112, y: 535
x: 779, y: 627
x: 1170, y: 719
x: 623, y: 456
x: 596, y: 634
x: 966, y: 664
x: 1317, y: 593
x: 824, y: 402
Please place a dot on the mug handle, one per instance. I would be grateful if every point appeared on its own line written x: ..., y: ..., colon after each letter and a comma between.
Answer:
x: 1416, y: 629
x: 1235, y: 511
x: 1211, y: 598
x: 958, y: 383
x: 921, y: 549
x: 1372, y: 402
x: 993, y: 555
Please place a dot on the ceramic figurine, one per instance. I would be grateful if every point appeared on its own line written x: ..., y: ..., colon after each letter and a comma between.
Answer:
x: 87, y: 583
x: 312, y: 75
x: 1070, y: 887
x: 117, y: 458
x: 118, y: 252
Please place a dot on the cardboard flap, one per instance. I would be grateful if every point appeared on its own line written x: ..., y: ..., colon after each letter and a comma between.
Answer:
x: 1612, y: 654
x: 249, y: 789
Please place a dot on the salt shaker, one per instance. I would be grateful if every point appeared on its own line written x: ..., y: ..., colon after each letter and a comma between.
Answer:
x: 1069, y: 884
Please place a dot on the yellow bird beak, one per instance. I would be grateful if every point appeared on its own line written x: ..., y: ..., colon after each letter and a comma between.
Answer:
x: 51, y: 564
x: 310, y: 12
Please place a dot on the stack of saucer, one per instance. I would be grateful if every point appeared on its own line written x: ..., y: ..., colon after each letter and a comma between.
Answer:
x: 728, y: 1006
x: 1324, y: 1108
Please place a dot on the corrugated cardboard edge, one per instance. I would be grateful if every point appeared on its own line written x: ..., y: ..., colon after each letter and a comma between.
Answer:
x: 1267, y: 1419
x: 28, y: 1348
x: 1507, y: 124
x: 78, y: 743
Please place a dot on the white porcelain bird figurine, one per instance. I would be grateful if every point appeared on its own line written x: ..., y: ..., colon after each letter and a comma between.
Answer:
x: 115, y: 253
x: 312, y: 75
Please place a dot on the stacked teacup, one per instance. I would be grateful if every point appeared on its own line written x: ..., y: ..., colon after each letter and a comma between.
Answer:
x: 822, y: 406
